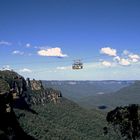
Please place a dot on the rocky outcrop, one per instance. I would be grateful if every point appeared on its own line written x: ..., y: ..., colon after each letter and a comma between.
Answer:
x: 12, y: 82
x: 126, y: 121
x: 28, y: 90
x: 40, y: 95
x: 54, y: 95
x: 45, y: 96
x: 34, y: 84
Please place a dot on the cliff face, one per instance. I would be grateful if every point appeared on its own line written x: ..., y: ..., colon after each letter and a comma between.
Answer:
x: 12, y: 83
x: 30, y: 90
x: 45, y: 96
x: 40, y: 95
x: 34, y: 84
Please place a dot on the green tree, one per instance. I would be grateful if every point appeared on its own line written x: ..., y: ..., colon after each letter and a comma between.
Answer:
x: 126, y: 121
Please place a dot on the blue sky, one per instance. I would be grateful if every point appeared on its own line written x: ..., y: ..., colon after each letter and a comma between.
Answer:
x: 41, y: 38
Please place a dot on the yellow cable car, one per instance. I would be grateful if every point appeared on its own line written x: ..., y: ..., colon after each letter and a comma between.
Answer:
x: 77, y: 65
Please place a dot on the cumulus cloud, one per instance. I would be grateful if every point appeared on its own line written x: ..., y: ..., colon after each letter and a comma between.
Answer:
x: 135, y: 60
x: 57, y: 52
x: 124, y: 62
x: 106, y: 63
x: 117, y: 58
x: 6, y: 67
x: 18, y: 52
x: 5, y: 43
x: 64, y: 68
x: 26, y: 70
x: 125, y: 59
x: 108, y: 51
x: 134, y: 57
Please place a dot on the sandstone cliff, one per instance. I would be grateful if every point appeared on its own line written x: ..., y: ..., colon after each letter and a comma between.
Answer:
x: 32, y: 91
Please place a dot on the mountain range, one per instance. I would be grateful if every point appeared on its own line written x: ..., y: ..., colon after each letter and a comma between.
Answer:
x: 96, y: 94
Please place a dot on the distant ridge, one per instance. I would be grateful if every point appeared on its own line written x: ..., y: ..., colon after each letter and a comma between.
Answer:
x: 125, y: 96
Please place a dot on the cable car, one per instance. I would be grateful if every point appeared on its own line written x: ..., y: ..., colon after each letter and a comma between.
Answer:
x: 77, y: 65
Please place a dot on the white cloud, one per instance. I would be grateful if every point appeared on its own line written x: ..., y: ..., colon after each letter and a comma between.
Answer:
x: 117, y: 58
x: 57, y: 52
x: 64, y: 68
x: 108, y: 51
x: 124, y: 62
x: 6, y: 67
x: 5, y: 43
x: 26, y: 70
x: 106, y: 63
x: 125, y: 59
x: 134, y: 56
x: 135, y: 60
x: 17, y: 52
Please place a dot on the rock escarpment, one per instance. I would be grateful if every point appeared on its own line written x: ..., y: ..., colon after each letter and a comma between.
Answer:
x: 12, y: 83
x: 34, y: 84
x: 32, y: 91
x: 41, y: 95
x: 46, y: 96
